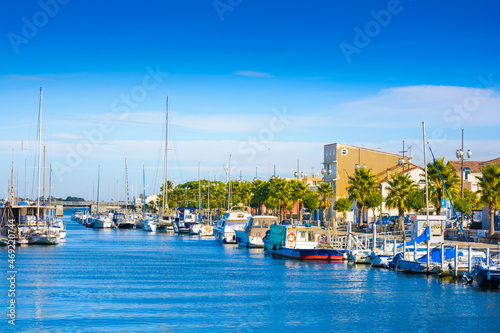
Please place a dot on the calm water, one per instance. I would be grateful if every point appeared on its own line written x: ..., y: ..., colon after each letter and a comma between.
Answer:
x: 133, y: 281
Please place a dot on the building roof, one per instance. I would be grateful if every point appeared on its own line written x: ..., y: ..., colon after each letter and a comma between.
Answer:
x: 382, y: 176
x: 493, y: 161
x: 474, y: 166
x: 367, y: 149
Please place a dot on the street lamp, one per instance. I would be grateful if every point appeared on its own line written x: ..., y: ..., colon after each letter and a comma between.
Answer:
x: 460, y: 156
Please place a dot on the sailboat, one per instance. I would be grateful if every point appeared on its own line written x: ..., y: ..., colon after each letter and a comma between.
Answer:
x: 165, y: 222
x: 41, y: 234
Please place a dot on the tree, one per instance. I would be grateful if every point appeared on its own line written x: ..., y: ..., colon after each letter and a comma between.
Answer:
x: 374, y: 201
x: 436, y: 187
x: 342, y: 205
x: 361, y: 184
x: 325, y: 191
x: 299, y: 192
x: 400, y: 187
x: 311, y: 202
x: 416, y: 200
x: 260, y: 194
x: 490, y: 191
x: 281, y: 192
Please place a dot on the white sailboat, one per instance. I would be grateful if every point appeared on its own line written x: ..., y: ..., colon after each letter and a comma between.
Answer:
x: 41, y: 234
x: 165, y: 222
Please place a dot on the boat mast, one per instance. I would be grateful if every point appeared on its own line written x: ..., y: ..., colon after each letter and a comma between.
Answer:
x: 50, y: 190
x: 143, y: 192
x: 229, y: 186
x: 39, y: 155
x: 199, y: 192
x: 126, y: 186
x: 98, y: 186
x: 165, y: 185
x: 426, y: 181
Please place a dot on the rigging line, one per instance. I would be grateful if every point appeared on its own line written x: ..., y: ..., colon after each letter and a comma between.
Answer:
x: 444, y: 185
x: 160, y: 155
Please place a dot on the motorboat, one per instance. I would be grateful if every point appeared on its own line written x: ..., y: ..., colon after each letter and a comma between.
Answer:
x: 186, y: 217
x: 234, y: 219
x: 301, y: 242
x: 255, y: 230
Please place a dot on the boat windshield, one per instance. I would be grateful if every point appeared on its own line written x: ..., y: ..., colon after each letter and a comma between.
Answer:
x: 234, y: 222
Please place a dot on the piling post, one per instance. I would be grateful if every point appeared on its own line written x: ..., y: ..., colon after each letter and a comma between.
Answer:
x: 456, y: 260
x: 428, y: 256
x: 487, y: 256
x: 394, y: 246
x: 374, y: 235
x: 469, y: 260
x: 415, y: 252
x: 385, y: 244
x: 442, y: 257
x: 404, y: 250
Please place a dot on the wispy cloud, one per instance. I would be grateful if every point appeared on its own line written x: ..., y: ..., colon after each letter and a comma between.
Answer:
x: 25, y: 77
x: 252, y: 74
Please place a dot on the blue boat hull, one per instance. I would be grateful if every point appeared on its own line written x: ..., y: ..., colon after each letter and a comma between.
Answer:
x: 487, y: 277
x: 308, y: 254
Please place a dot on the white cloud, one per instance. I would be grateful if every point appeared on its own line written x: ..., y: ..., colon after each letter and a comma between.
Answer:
x: 252, y: 74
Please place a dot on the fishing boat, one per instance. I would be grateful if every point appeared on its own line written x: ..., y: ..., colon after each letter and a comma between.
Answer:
x: 255, y: 230
x: 301, y: 242
x: 186, y: 217
x: 234, y: 219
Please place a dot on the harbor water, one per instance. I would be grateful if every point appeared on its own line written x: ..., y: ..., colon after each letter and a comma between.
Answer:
x: 132, y: 281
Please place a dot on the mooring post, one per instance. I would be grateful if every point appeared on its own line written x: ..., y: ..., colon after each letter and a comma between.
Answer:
x: 456, y: 260
x: 469, y: 260
x: 394, y: 247
x: 442, y: 257
x: 374, y: 236
x: 385, y: 244
x: 428, y: 256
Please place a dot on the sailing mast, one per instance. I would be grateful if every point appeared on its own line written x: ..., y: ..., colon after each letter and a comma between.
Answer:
x: 143, y: 192
x: 426, y: 180
x: 39, y: 156
x: 229, y: 185
x: 98, y: 186
x: 165, y: 186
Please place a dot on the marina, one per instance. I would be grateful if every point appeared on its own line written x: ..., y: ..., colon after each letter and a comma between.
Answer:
x: 135, y: 281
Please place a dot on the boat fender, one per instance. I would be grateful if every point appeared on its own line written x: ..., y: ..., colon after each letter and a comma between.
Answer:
x: 291, y: 237
x: 322, y: 239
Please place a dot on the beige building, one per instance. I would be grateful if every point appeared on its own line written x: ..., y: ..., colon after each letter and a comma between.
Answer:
x: 472, y: 172
x: 340, y: 161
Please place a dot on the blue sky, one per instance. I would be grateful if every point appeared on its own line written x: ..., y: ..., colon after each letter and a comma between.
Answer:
x: 267, y: 82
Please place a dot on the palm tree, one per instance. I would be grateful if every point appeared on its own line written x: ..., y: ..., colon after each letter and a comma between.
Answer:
x: 416, y: 200
x: 451, y: 181
x: 400, y: 188
x: 299, y: 192
x: 281, y: 192
x: 260, y: 194
x: 360, y: 185
x: 342, y: 205
x: 325, y: 191
x: 311, y: 202
x: 490, y: 191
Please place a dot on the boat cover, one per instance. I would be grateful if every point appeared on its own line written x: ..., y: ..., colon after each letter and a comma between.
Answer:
x: 276, y: 237
x: 425, y: 236
x: 436, y: 255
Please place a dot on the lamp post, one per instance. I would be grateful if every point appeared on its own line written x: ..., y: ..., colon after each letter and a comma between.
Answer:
x: 460, y: 156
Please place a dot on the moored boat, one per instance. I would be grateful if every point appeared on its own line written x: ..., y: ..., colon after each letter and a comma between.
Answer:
x: 255, y: 230
x: 234, y: 219
x: 301, y: 242
x: 186, y: 217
